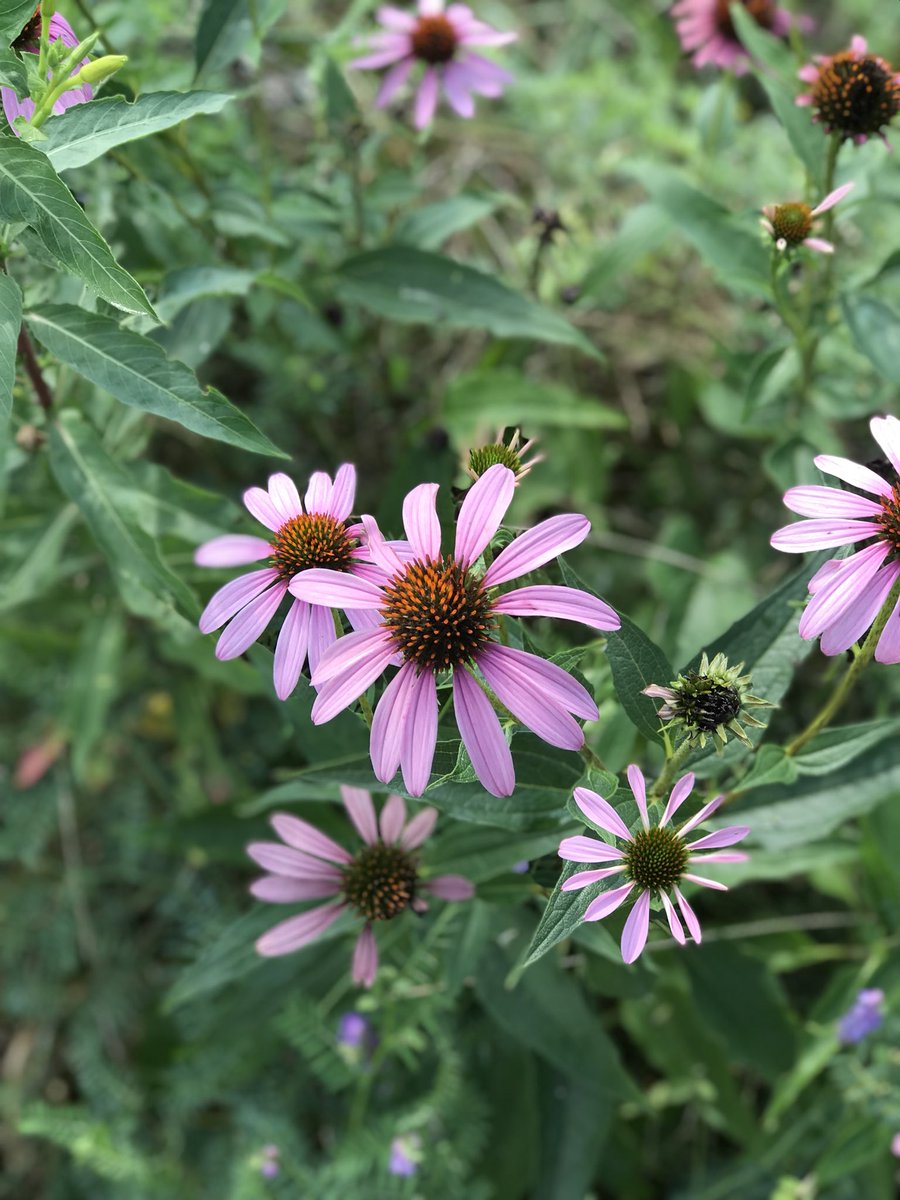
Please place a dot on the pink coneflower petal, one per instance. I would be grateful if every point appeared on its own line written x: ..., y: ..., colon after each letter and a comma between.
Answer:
x: 842, y: 589
x: 298, y: 931
x: 393, y: 818
x: 568, y: 604
x: 536, y: 547
x: 607, y: 903
x: 821, y: 534
x: 450, y: 887
x: 634, y: 935
x: 259, y: 504
x: 698, y: 818
x: 690, y: 917
x: 426, y: 99
x: 282, y: 860
x: 581, y: 879
x: 419, y: 829
x: 349, y: 652
x: 231, y: 550
x: 823, y: 574
x: 343, y: 494
x: 587, y: 849
x: 672, y: 917
x: 322, y: 635
x: 492, y: 37
x: 305, y: 837
x: 819, y: 245
x: 245, y: 628
x: 888, y: 648
x: 546, y: 678
x: 816, y: 500
x: 832, y: 199
x: 396, y: 19
x: 420, y: 521
x: 516, y: 690
x: 365, y: 958
x: 721, y: 837
x: 886, y: 432
x: 707, y: 883
x: 486, y: 78
x: 383, y: 554
x: 482, y: 511
x: 318, y: 492
x: 601, y: 812
x: 279, y: 889
x: 419, y: 733
x: 234, y: 596
x: 853, y: 473
x: 336, y: 589
x: 284, y: 495
x: 386, y: 56
x: 482, y: 735
x: 291, y: 649
x: 394, y: 81
x: 456, y: 88
x: 859, y: 47
x: 389, y: 722
x: 736, y: 856
x: 361, y: 812
x: 677, y: 797
x: 639, y: 791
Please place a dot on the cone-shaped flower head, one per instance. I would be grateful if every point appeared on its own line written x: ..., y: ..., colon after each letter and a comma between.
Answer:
x: 707, y: 31
x: 313, y: 532
x: 848, y: 593
x: 28, y: 42
x: 440, y: 39
x: 708, y: 702
x: 438, y: 613
x: 377, y: 883
x: 653, y: 861
x: 854, y: 93
x: 506, y: 452
x: 866, y: 1015
x: 790, y: 225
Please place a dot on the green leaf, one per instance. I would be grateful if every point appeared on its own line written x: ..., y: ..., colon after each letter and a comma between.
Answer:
x: 429, y: 227
x: 636, y: 662
x: 14, y: 15
x: 89, y: 477
x: 38, y: 567
x: 228, y: 27
x: 93, y: 684
x: 770, y: 765
x: 136, y: 371
x: 84, y: 132
x: 875, y: 329
x: 483, y: 399
x: 836, y: 747
x: 481, y: 854
x: 10, y: 324
x: 563, y: 914
x: 12, y: 71
x: 403, y: 284
x: 32, y: 192
x: 181, y: 288
x: 341, y: 109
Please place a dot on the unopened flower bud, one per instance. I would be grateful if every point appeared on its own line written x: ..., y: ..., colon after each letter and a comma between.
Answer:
x: 101, y: 68
x: 707, y: 702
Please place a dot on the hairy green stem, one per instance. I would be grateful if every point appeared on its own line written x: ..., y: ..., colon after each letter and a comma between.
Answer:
x: 673, y: 764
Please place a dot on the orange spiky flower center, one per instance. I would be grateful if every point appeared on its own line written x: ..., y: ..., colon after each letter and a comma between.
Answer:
x: 890, y: 517
x: 792, y: 223
x: 857, y: 96
x: 380, y: 882
x: 311, y: 540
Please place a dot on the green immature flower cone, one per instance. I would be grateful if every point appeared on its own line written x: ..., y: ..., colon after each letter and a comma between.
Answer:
x: 709, y: 702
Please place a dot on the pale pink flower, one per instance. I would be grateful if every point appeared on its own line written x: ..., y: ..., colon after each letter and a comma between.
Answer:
x: 61, y: 30
x: 848, y: 594
x: 707, y: 32
x: 378, y: 882
x: 437, y: 613
x: 790, y: 225
x: 854, y: 93
x: 440, y: 37
x: 654, y: 861
x: 313, y: 532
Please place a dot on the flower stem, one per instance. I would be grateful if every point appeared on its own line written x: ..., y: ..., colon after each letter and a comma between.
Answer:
x: 33, y: 370
x: 673, y: 763
x: 863, y: 657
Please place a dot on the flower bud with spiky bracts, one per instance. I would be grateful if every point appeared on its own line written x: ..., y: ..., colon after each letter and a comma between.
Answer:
x: 509, y: 453
x: 707, y: 702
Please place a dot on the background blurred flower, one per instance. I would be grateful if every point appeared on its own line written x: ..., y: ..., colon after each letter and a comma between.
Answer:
x: 406, y: 1154
x: 707, y: 31
x: 863, y: 1018
x: 853, y: 93
x: 13, y: 106
x: 440, y: 39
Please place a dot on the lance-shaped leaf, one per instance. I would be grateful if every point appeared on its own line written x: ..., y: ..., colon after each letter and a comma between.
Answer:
x: 10, y: 322
x: 32, y: 192
x: 136, y: 371
x: 84, y: 132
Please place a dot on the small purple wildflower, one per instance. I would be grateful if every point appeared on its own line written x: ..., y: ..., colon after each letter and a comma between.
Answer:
x: 406, y: 1154
x: 863, y: 1018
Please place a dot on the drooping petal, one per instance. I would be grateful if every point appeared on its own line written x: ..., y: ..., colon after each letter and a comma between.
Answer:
x: 600, y: 812
x: 298, y: 833
x: 482, y: 511
x: 426, y: 99
x: 722, y: 837
x: 456, y: 89
x: 243, y: 629
x: 523, y: 670
x: 231, y: 550
x: 859, y: 615
x: 394, y: 81
x: 587, y: 849
x: 388, y: 723
x: 290, y: 649
x: 348, y: 652
x: 284, y: 495
x: 842, y: 589
x: 582, y: 879
x: 690, y: 917
x: 707, y: 883
x: 419, y: 734
x: 819, y: 245
x: 639, y: 791
x: 361, y: 812
x: 821, y: 534
x: 607, y: 903
x: 482, y: 735
x: 282, y: 860
x: 698, y: 818
x: 343, y: 495
x: 853, y: 473
x: 344, y: 688
x: 888, y: 648
x: 365, y: 958
x: 298, y: 931
x: 815, y: 500
x: 677, y: 796
x: 537, y: 546
x: 450, y: 887
x: 336, y: 589
x: 886, y: 432
x: 259, y: 504
x: 634, y: 935
x: 536, y: 710
x: 234, y: 596
x: 393, y: 818
x: 420, y: 520
x: 419, y: 829
x: 672, y: 916
x: 565, y: 603
x: 279, y: 889
x: 322, y: 634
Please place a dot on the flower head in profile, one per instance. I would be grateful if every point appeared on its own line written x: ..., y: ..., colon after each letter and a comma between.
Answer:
x: 506, y: 451
x: 849, y: 593
x: 437, y: 614
x: 708, y: 34
x: 441, y: 39
x: 866, y: 1015
x: 313, y: 532
x: 655, y: 859
x: 28, y: 41
x: 708, y: 702
x: 854, y: 93
x: 790, y: 225
x: 377, y: 883
x: 406, y: 1154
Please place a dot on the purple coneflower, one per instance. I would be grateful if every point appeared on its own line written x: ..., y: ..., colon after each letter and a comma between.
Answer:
x: 378, y: 882
x: 440, y: 38
x: 790, y: 225
x: 863, y: 1018
x: 708, y: 34
x: 60, y: 30
x: 654, y: 861
x: 437, y: 614
x: 311, y: 533
x: 848, y: 594
x: 854, y: 93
